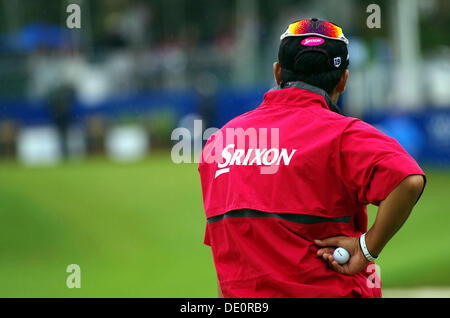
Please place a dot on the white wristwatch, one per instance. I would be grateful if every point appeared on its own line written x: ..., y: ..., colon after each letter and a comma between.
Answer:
x: 362, y: 244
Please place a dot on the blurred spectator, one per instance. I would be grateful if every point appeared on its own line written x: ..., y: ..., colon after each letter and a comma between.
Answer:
x: 60, y: 105
x: 8, y: 135
x: 95, y: 127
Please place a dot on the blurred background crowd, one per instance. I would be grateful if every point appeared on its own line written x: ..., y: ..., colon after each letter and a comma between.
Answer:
x: 137, y: 69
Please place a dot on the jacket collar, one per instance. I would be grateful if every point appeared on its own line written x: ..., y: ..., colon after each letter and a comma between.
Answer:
x: 314, y: 89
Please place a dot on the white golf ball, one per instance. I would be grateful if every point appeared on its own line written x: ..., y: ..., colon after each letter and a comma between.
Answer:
x: 341, y: 255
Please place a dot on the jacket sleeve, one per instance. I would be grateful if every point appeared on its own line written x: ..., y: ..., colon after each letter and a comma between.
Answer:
x: 372, y: 164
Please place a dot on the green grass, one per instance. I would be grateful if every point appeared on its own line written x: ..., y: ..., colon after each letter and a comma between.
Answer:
x: 136, y: 230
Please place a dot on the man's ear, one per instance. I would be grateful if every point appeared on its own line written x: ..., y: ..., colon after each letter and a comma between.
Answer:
x: 340, y: 87
x: 277, y: 72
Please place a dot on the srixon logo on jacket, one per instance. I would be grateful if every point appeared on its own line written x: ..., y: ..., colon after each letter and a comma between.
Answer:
x: 249, y: 147
x: 267, y: 158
